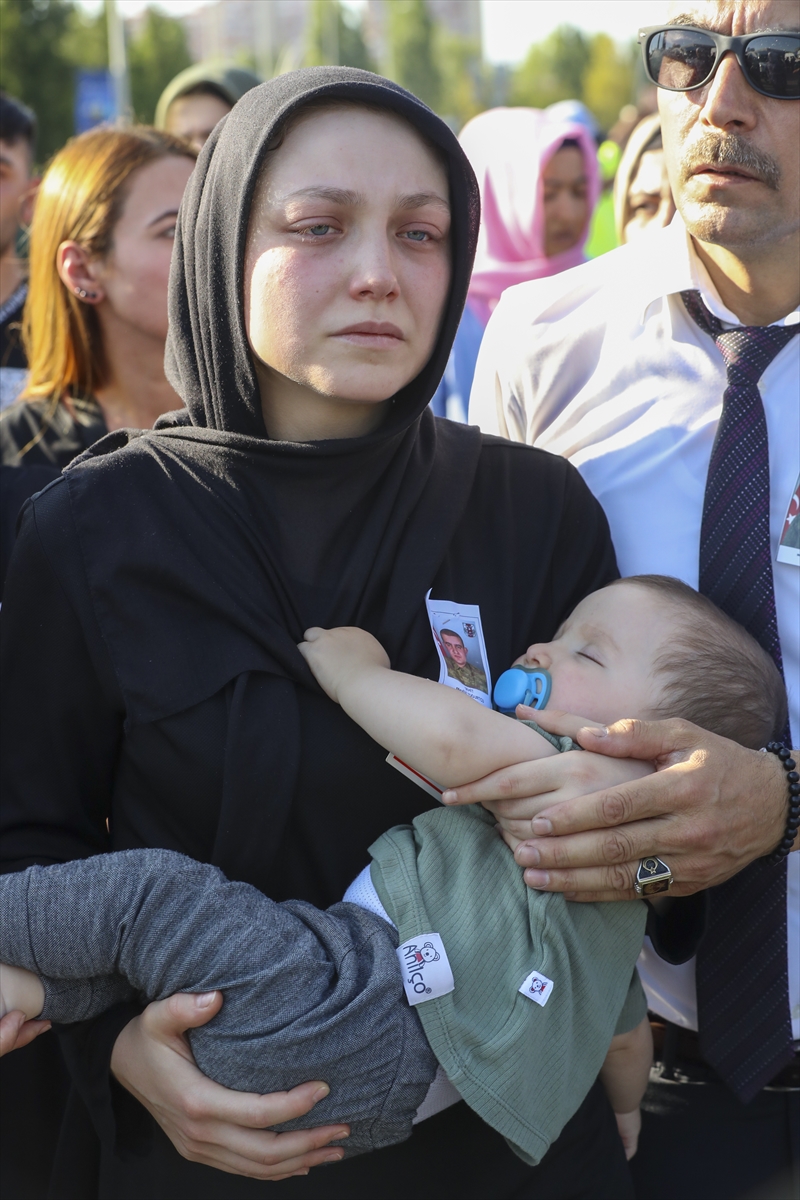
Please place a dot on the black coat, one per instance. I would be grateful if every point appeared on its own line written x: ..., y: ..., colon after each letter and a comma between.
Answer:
x: 155, y: 694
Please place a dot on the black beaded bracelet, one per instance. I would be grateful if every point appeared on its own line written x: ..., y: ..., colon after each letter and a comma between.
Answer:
x: 793, y: 820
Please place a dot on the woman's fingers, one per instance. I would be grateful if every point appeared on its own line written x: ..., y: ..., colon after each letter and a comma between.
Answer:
x: 259, y: 1154
x: 563, y: 724
x: 524, y: 783
x: 16, y: 1031
x: 205, y: 1121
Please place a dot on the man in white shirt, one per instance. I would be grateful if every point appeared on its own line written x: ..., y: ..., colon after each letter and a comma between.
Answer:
x: 620, y: 366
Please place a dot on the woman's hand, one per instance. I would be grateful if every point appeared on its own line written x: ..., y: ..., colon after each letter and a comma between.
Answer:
x: 337, y: 655
x: 17, y: 1031
x: 711, y: 808
x: 208, y: 1123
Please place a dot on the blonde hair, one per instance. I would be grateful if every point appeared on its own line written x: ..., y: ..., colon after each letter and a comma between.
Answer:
x: 80, y: 199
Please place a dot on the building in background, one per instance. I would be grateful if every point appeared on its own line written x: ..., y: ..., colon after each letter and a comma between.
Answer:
x: 264, y: 34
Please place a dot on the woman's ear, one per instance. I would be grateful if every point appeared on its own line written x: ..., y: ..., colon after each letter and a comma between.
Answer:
x: 78, y: 272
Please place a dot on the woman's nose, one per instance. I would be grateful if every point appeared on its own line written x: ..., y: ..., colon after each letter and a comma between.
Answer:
x: 374, y: 275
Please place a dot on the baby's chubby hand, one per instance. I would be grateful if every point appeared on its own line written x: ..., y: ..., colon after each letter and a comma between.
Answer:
x: 340, y: 656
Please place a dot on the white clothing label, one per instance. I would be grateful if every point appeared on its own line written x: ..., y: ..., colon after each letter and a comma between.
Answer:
x: 789, y: 547
x: 426, y: 971
x: 537, y: 987
x: 458, y: 634
x: 415, y: 776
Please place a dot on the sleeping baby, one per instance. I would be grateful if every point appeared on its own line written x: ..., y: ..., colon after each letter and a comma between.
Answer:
x: 441, y: 973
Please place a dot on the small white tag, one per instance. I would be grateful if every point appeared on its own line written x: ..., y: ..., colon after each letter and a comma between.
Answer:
x: 537, y: 987
x: 789, y: 548
x: 426, y: 971
x: 415, y: 776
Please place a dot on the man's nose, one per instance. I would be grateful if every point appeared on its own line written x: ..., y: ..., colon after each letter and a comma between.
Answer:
x: 729, y: 102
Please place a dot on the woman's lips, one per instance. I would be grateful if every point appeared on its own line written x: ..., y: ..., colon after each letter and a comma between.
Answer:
x: 377, y: 335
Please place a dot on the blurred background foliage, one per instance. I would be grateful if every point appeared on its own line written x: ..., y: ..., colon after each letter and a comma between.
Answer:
x: 44, y: 42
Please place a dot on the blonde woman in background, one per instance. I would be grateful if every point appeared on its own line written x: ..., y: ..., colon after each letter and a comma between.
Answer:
x: 95, y: 320
x: 642, y: 197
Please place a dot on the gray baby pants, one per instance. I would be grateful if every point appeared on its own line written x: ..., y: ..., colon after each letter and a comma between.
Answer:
x: 308, y: 994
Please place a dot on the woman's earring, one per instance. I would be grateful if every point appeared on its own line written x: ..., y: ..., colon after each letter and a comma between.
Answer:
x: 81, y: 292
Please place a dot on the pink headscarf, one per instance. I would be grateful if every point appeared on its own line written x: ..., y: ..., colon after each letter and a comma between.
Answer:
x: 509, y: 149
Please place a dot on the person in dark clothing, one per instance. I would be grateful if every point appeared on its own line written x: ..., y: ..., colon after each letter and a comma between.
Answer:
x: 160, y: 587
x: 95, y: 319
x: 17, y: 189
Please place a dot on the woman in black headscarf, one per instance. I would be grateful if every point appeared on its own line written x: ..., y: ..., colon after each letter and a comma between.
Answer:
x: 160, y: 587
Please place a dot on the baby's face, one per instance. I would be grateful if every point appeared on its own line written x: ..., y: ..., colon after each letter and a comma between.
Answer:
x: 601, y: 661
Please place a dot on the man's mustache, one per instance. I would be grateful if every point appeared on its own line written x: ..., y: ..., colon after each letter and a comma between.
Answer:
x: 732, y: 150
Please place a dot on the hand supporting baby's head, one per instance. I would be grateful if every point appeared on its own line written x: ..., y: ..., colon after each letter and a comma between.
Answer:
x: 651, y: 647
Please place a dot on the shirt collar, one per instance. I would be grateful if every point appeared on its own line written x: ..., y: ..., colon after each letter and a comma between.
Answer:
x: 674, y: 266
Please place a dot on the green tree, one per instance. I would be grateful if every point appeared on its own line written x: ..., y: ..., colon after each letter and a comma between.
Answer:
x: 412, y: 58
x: 553, y: 70
x: 334, y: 37
x: 465, y: 83
x: 155, y: 57
x: 609, y: 80
x: 34, y: 68
x: 85, y: 41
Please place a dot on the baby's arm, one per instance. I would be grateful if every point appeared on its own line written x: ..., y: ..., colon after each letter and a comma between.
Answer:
x: 625, y: 1073
x: 442, y: 732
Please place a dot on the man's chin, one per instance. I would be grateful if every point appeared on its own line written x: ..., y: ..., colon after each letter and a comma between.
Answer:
x: 728, y: 224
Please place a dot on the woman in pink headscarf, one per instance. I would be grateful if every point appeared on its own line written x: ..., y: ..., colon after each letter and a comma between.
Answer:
x: 539, y: 183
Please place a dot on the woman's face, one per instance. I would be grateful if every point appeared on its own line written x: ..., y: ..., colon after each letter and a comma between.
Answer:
x: 650, y: 203
x: 135, y: 273
x: 194, y: 116
x: 347, y: 271
x: 566, y: 200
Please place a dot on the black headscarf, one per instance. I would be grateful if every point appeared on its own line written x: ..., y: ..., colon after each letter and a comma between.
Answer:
x: 209, y: 547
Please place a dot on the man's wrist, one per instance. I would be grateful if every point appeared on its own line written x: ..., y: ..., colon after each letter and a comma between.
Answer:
x: 785, y: 760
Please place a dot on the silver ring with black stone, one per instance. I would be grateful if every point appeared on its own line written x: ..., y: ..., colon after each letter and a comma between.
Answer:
x: 652, y: 877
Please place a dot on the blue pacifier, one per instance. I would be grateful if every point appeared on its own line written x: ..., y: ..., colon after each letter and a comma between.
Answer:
x: 522, y: 685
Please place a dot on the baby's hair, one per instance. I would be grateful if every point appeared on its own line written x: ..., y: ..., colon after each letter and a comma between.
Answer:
x: 714, y: 672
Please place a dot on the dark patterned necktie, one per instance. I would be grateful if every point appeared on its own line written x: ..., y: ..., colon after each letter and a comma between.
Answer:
x: 744, y: 1023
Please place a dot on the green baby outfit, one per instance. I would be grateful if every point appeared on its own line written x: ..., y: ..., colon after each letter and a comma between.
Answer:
x: 524, y: 1067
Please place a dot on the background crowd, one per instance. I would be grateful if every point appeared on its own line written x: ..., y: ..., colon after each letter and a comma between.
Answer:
x: 569, y: 157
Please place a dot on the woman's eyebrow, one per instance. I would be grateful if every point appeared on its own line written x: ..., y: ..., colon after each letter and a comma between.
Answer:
x: 168, y: 212
x: 351, y: 199
x: 320, y: 192
x: 420, y: 199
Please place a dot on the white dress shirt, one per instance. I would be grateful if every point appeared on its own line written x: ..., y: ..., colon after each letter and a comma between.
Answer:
x: 602, y: 364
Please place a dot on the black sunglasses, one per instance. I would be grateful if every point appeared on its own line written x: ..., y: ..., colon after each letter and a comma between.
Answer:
x: 681, y: 57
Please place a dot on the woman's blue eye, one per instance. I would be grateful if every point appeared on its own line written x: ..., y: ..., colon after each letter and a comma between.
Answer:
x: 416, y: 235
x: 318, y: 230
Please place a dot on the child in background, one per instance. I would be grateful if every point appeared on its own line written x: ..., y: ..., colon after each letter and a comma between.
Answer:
x: 545, y: 993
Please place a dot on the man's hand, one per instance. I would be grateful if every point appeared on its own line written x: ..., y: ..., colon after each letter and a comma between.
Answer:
x: 336, y: 655
x: 711, y: 808
x: 208, y: 1123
